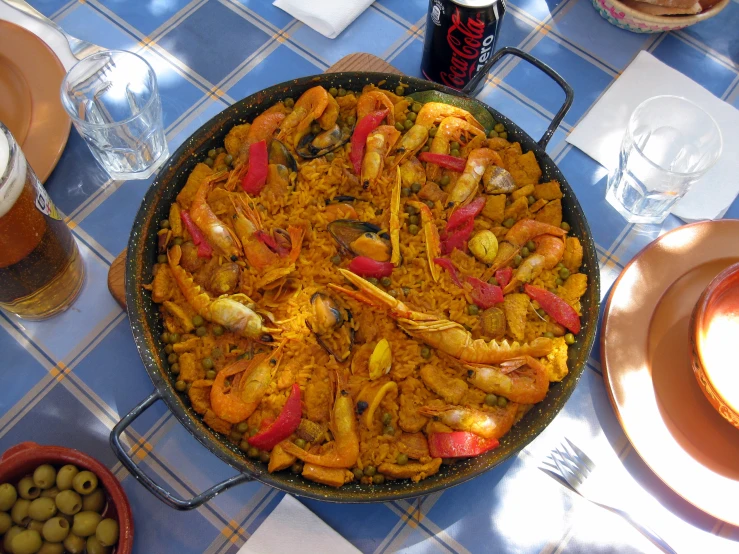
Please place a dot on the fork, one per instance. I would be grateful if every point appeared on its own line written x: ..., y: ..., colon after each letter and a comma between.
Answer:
x: 574, y: 469
x: 80, y: 48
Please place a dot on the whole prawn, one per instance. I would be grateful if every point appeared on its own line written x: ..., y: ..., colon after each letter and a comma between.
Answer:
x: 549, y: 251
x: 488, y: 424
x: 451, y: 129
x: 218, y: 234
x: 477, y: 162
x: 445, y: 335
x: 309, y: 107
x: 523, y: 380
x: 379, y: 143
x: 372, y: 101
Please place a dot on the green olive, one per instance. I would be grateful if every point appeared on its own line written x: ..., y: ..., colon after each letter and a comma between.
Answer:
x: 408, y: 124
x: 570, y: 338
x: 95, y: 547
x: 425, y: 352
x: 94, y: 502
x: 28, y: 489
x: 413, y: 229
x: 9, y: 536
x: 35, y: 525
x: 369, y: 471
x: 491, y: 400
x: 565, y: 226
x: 502, y: 401
x: 51, y: 548
x: 42, y: 509
x: 378, y: 479
x: 198, y: 320
x: 74, y: 544
x: 444, y: 181
x: 358, y: 473
x: 85, y: 523
x: 402, y: 459
x: 201, y: 331
x: 86, y: 482
x: 8, y: 496
x: 19, y: 511
x: 26, y: 542
x: 6, y: 522
x: 44, y: 476
x: 107, y: 532
x: 56, y: 529
x: 472, y: 309
x: 68, y: 502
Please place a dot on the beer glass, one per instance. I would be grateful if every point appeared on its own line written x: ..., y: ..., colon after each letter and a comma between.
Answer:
x: 41, y: 271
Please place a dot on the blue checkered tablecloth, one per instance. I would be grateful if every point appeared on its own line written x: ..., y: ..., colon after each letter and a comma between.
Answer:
x: 68, y: 380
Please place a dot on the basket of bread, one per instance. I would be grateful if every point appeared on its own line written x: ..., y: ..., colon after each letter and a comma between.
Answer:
x: 657, y: 16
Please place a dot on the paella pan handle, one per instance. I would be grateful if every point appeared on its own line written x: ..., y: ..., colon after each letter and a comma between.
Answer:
x: 569, y: 93
x: 165, y: 496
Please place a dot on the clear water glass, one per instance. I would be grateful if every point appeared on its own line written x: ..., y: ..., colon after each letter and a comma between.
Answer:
x: 113, y: 100
x: 668, y: 145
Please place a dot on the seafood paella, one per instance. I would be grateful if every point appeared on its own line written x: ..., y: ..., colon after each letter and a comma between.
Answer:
x: 359, y: 286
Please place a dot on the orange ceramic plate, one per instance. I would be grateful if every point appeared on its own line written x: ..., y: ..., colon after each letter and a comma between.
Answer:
x: 30, y: 78
x: 645, y: 354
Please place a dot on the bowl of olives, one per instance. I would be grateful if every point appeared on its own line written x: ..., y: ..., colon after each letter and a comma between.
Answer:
x: 57, y: 500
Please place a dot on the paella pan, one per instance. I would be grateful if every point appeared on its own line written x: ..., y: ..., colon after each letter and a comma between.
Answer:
x: 355, y: 288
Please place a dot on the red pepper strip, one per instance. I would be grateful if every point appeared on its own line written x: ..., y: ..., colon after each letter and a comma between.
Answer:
x: 459, y: 444
x: 367, y: 267
x: 444, y: 160
x: 256, y: 176
x: 504, y: 276
x: 267, y: 239
x: 282, y: 427
x: 463, y: 215
x: 366, y: 125
x: 561, y: 311
x: 485, y: 295
x: 449, y: 266
x: 198, y: 238
x: 458, y: 238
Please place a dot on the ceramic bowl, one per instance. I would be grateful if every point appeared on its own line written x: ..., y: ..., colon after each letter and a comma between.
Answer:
x: 714, y: 368
x: 23, y: 458
x: 635, y: 21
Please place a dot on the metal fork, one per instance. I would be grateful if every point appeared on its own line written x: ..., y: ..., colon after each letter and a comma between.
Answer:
x: 80, y: 48
x: 573, y: 468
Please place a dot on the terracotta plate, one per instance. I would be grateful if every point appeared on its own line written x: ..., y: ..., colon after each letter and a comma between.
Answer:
x: 645, y: 353
x: 30, y: 79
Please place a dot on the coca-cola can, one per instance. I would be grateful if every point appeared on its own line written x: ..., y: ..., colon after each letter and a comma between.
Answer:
x: 460, y: 38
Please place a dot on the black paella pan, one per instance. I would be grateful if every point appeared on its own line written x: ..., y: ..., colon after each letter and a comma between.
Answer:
x: 147, y: 326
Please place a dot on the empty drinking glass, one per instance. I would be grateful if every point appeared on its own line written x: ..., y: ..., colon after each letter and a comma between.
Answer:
x: 113, y: 100
x: 668, y: 145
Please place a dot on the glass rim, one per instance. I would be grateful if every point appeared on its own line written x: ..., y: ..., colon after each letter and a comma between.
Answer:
x: 12, y: 154
x: 77, y: 120
x: 659, y: 167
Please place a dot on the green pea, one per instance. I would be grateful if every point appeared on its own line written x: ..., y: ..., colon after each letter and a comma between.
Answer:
x: 94, y: 546
x: 493, y: 281
x: 472, y: 309
x: 444, y: 181
x: 502, y: 401
x: 493, y: 134
x: 336, y: 260
x: 216, y: 352
x: 27, y: 489
x: 564, y: 225
x: 549, y: 335
x: 499, y: 127
x: 253, y: 452
x: 180, y: 386
x: 517, y: 259
x: 351, y: 120
x: 209, y: 162
x: 198, y: 321
x: 530, y: 199
x: 425, y: 352
x: 300, y: 443
x: 175, y: 368
x: 386, y: 282
x: 416, y: 107
x: 161, y: 259
x: 212, y: 153
x: 405, y: 191
x: 264, y: 457
x: 172, y: 358
x: 393, y: 293
x: 531, y: 246
x: 503, y: 135
x: 341, y: 92
x: 541, y: 313
x: 168, y: 349
x: 400, y: 90
x: 559, y: 282
x: 229, y: 159
x: 369, y: 471
x: 56, y: 529
x: 358, y: 473
x: 425, y: 148
x: 330, y: 156
x: 19, y: 511
x: 174, y: 338
x: 411, y: 116
x: 165, y: 337
x: 454, y: 146
x: 429, y: 203
x: 408, y: 124
x: 297, y: 468
x: 207, y: 363
x: 432, y: 132
x: 386, y: 418
x: 413, y: 220
x: 201, y: 331
x: 415, y: 187
x: 217, y: 330
x: 26, y: 542
x: 525, y: 252
x: 94, y: 502
x: 564, y: 273
x: 559, y: 266
x: 74, y: 544
x: 333, y: 91
x: 69, y: 502
x: 373, y: 280
x: 413, y: 229
x: 220, y: 150
x: 406, y: 291
x: 8, y: 496
x: 569, y: 338
x: 455, y: 153
x: 399, y: 126
x: 411, y: 209
x: 401, y: 459
x: 491, y: 400
x: 210, y: 375
x: 315, y: 128
x: 289, y: 102
x: 508, y: 223
x: 378, y: 479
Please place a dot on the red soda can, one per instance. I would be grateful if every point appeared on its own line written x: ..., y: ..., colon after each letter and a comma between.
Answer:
x: 460, y: 38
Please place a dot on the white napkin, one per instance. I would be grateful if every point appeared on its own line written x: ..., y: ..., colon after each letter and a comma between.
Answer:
x: 600, y: 132
x: 53, y: 38
x: 291, y: 527
x: 328, y: 17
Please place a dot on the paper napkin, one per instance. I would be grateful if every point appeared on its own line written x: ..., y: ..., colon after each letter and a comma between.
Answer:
x: 291, y: 527
x: 600, y: 132
x: 328, y: 17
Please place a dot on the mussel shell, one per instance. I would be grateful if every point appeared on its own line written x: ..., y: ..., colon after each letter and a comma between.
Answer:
x: 282, y: 238
x: 497, y: 180
x: 328, y: 324
x: 317, y: 145
x: 346, y: 233
x: 279, y: 154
